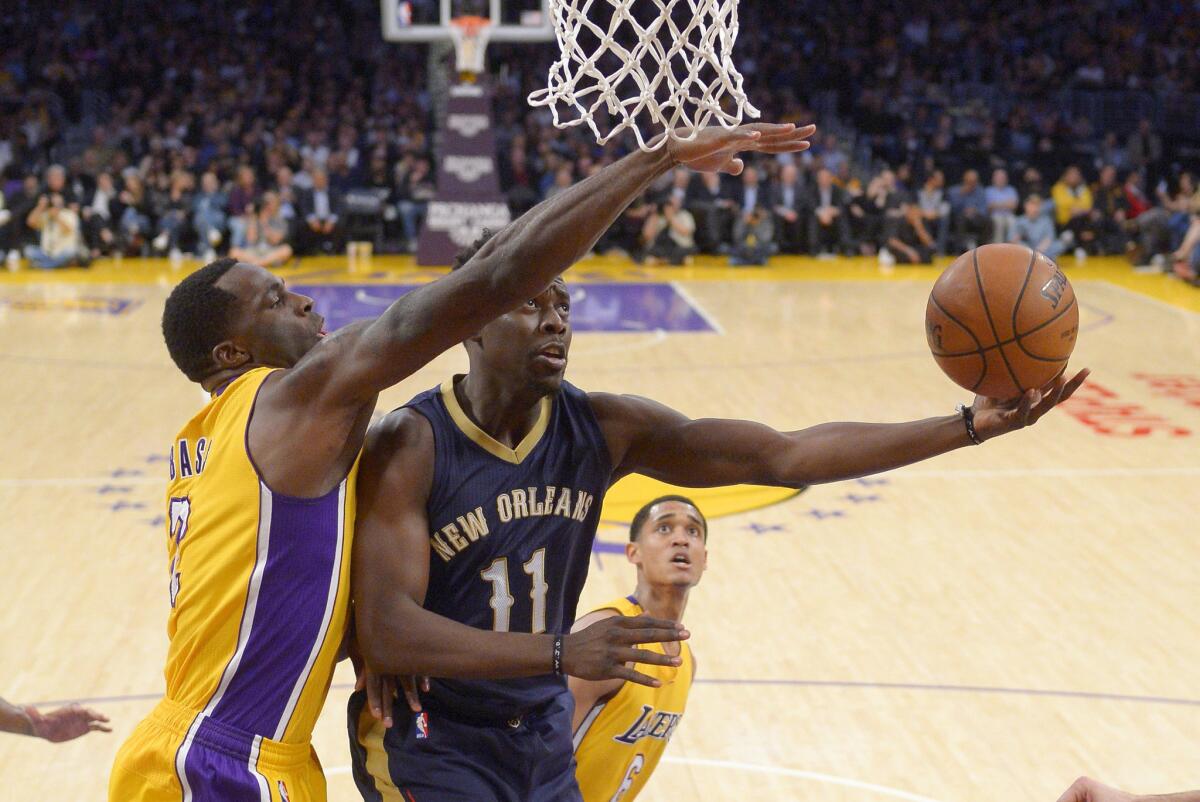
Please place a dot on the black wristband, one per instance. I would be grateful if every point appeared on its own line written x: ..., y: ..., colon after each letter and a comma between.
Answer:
x: 558, y: 641
x: 968, y: 416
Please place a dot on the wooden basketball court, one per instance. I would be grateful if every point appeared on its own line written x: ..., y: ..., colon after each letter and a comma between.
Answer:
x: 986, y: 625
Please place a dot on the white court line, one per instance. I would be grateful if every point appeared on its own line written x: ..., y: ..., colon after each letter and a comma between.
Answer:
x: 762, y: 768
x: 832, y: 779
x: 364, y: 297
x: 700, y: 310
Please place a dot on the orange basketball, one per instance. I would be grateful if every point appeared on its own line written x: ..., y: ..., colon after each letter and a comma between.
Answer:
x: 1002, y: 319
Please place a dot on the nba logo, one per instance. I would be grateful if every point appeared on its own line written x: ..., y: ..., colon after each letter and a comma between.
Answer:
x: 422, y: 720
x: 404, y: 14
x: 283, y: 794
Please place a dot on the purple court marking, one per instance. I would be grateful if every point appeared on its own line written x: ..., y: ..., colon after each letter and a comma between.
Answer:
x: 595, y: 307
x: 788, y: 683
x: 85, y: 303
x: 762, y: 529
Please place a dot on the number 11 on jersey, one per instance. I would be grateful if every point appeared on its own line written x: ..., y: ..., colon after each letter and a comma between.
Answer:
x: 502, y: 599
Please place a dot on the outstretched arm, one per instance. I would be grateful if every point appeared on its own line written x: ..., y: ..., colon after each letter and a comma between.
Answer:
x: 14, y: 719
x: 1086, y: 789
x: 646, y: 437
x: 390, y: 572
x: 63, y: 724
x: 517, y: 264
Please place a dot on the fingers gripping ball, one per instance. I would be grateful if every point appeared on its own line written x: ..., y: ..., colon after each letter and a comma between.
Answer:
x: 1002, y: 319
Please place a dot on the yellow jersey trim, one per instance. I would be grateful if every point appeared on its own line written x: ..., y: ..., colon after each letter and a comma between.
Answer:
x: 484, y: 440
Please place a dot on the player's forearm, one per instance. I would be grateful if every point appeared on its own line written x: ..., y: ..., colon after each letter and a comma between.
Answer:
x: 408, y: 639
x: 832, y: 452
x: 561, y: 230
x: 14, y: 719
x: 1183, y: 796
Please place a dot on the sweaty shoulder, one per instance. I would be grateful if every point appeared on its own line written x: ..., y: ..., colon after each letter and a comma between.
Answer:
x: 307, y: 383
x: 629, y: 419
x: 399, y: 447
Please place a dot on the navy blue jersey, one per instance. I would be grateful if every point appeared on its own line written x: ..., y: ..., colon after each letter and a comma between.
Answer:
x: 511, y: 532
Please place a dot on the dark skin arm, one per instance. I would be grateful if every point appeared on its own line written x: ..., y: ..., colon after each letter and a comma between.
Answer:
x: 1085, y: 789
x: 325, y: 400
x: 589, y: 693
x: 646, y: 437
x: 56, y: 726
x: 390, y: 573
x: 14, y: 719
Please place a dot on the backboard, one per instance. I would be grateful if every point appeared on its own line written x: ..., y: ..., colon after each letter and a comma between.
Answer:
x: 429, y: 20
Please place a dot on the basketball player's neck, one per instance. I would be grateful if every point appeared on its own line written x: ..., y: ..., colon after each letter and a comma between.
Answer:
x: 223, y: 378
x: 504, y: 410
x: 661, y: 601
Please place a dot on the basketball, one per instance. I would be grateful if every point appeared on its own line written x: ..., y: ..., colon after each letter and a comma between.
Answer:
x: 1002, y: 319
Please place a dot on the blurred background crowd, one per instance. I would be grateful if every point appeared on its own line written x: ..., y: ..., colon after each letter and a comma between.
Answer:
x: 203, y: 128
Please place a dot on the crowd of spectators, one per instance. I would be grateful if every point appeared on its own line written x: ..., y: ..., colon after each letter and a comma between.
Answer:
x: 150, y: 128
x: 909, y: 215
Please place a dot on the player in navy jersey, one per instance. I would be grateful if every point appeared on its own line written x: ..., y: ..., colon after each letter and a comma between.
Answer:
x: 479, y: 500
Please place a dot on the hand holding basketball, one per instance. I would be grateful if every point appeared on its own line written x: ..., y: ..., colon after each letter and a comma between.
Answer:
x: 994, y: 417
x: 1002, y: 320
x: 715, y: 149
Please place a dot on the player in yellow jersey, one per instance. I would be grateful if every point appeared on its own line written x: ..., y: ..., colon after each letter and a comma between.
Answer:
x: 622, y: 729
x: 261, y: 499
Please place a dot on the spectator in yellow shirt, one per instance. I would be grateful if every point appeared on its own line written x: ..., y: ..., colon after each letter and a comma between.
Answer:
x: 1072, y: 210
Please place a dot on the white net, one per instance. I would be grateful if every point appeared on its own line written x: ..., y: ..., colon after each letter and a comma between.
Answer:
x: 470, y: 36
x: 665, y: 65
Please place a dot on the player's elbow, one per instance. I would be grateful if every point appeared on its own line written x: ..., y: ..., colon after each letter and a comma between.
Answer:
x: 781, y: 468
x: 502, y: 279
x: 382, y: 637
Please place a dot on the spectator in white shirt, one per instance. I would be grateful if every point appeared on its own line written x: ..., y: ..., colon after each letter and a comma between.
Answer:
x: 60, y: 244
x: 1002, y: 203
x: 670, y: 235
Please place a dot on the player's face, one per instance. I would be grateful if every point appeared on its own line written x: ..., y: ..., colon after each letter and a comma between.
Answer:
x: 532, y: 341
x: 276, y: 327
x: 671, y: 549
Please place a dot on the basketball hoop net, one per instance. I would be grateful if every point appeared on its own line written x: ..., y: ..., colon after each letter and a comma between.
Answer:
x: 672, y: 73
x: 470, y: 36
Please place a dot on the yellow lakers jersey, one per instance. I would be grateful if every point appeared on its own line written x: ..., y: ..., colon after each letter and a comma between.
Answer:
x: 620, y: 741
x: 259, y: 581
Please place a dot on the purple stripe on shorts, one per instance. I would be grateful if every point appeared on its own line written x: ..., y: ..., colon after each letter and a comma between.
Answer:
x: 218, y: 765
x: 289, y: 619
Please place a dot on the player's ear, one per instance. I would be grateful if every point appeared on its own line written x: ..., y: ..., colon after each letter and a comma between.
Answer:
x: 475, y: 341
x: 228, y: 354
x: 633, y: 553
